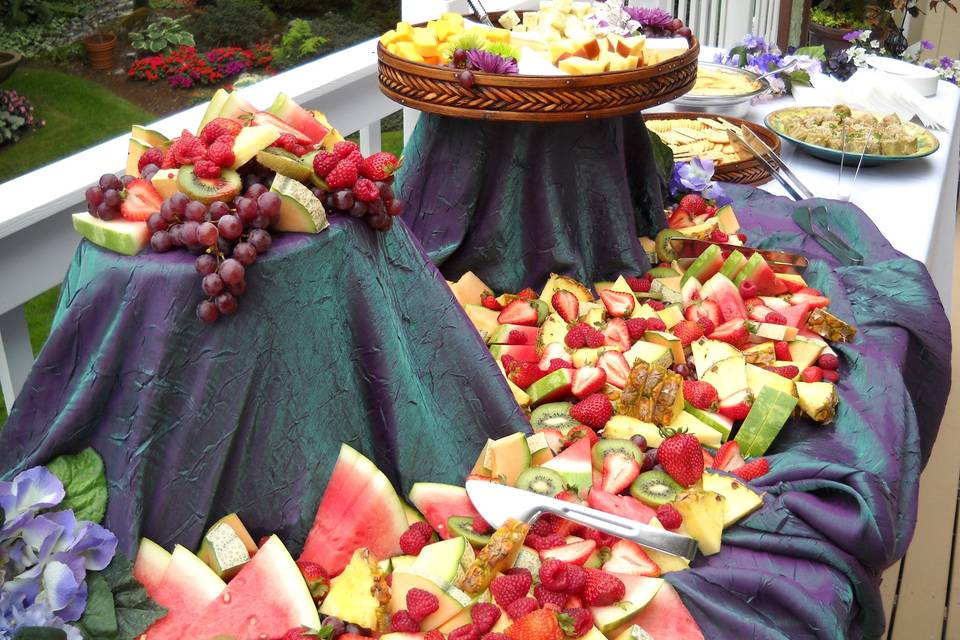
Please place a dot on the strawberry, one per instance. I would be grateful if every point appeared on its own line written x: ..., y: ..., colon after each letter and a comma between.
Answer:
x: 204, y: 168
x: 566, y: 304
x: 679, y: 219
x: 616, y: 334
x: 781, y: 350
x: 587, y: 380
x: 618, y: 303
x: 303, y: 633
x: 403, y: 622
x: 669, y: 517
x: 344, y: 148
x: 828, y: 361
x: 594, y: 338
x: 575, y: 621
x: 365, y: 191
x: 742, y: 237
x: 150, y: 156
x: 787, y: 371
x: 679, y: 455
x: 775, y: 317
x: 602, y: 589
x: 639, y: 285
x: 735, y: 411
x: 527, y: 294
x: 616, y: 367
x: 520, y: 312
x: 705, y: 309
x: 316, y: 577
x: 220, y: 151
x: 324, y: 162
x: 831, y: 376
x: 701, y: 395
x: 517, y: 337
x: 814, y: 301
x: 465, y: 632
x: 521, y: 607
x: 687, y: 331
x: 636, y: 327
x: 728, y: 457
x: 484, y: 615
x: 656, y: 324
x: 379, y: 166
x: 506, y: 589
x: 694, y: 204
x: 753, y: 469
x: 509, y: 363
x: 486, y: 636
x: 630, y: 559
x: 554, y: 364
x: 576, y: 433
x: 343, y: 176
x: 219, y: 127
x: 733, y: 332
x: 536, y: 625
x: 421, y: 604
x: 140, y: 200
x: 812, y: 374
x: 618, y: 473
x: 594, y: 411
x: 602, y: 539
x: 490, y: 302
x: 752, y: 303
x: 479, y: 525
x: 416, y: 538
x: 284, y: 141
x: 576, y: 337
x: 718, y: 236
x: 525, y: 374
x: 547, y: 598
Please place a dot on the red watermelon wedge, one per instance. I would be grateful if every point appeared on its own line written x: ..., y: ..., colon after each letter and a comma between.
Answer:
x: 151, y: 563
x: 266, y: 599
x: 620, y: 506
x: 666, y: 618
x: 188, y: 586
x: 359, y: 509
x: 437, y: 502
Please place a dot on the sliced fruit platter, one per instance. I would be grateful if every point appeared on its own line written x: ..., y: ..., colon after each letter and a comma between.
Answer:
x: 220, y: 192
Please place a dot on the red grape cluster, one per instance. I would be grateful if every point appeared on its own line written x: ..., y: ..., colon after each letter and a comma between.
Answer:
x: 378, y: 213
x: 227, y: 239
x: 105, y: 197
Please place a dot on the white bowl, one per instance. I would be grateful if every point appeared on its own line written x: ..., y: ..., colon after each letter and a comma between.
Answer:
x: 922, y: 79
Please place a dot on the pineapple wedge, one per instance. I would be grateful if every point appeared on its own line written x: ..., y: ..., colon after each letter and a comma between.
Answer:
x: 829, y: 326
x: 359, y: 594
x: 499, y: 554
x: 818, y: 400
x: 703, y: 517
x: 740, y: 500
x: 557, y: 282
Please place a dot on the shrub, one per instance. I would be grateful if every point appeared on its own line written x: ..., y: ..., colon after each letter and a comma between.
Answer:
x: 298, y: 43
x: 234, y: 22
x: 162, y: 35
x: 16, y: 115
x: 340, y: 31
x: 185, y: 68
x: 24, y: 12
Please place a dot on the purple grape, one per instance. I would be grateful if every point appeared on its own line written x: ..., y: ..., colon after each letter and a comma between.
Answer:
x: 218, y: 209
x: 127, y: 179
x: 336, y: 626
x: 467, y: 79
x: 255, y: 190
x: 649, y: 460
x: 225, y: 246
x: 245, y: 253
x: 161, y: 242
x: 320, y: 194
x: 230, y: 227
x: 179, y: 202
x: 376, y: 208
x: 269, y: 204
x: 640, y: 441
x: 188, y: 233
x: 205, y: 264
x: 237, y: 289
x: 352, y: 629
x: 386, y: 191
x: 380, y: 221
x: 212, y: 284
x: 681, y: 369
x: 106, y: 212
x: 174, y: 231
x: 110, y: 181
x: 231, y: 271
x: 156, y: 223
x: 207, y: 234
x: 112, y: 197
x: 246, y: 209
x: 343, y: 200
x: 226, y: 303
x: 167, y: 212
x: 328, y: 203
x: 94, y: 196
x: 459, y: 57
x: 195, y: 211
x: 207, y: 311
x: 260, y: 222
x: 395, y: 208
x: 359, y: 209
x: 260, y: 239
x: 148, y: 172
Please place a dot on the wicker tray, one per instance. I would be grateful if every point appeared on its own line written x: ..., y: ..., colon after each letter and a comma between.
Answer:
x: 436, y: 89
x: 750, y: 171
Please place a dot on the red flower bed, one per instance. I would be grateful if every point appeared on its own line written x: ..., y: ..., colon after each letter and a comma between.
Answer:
x: 185, y: 67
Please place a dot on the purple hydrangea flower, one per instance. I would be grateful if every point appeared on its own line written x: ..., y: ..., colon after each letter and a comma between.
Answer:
x: 946, y: 62
x: 853, y: 35
x: 926, y: 44
x: 649, y: 17
x: 490, y: 62
x: 28, y: 493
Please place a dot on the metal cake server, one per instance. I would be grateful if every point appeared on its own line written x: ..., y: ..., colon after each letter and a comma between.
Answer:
x: 498, y: 503
x: 689, y: 249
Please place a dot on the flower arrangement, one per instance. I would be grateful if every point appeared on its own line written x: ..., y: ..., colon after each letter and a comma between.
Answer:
x: 696, y: 176
x: 947, y: 67
x: 758, y: 55
x: 16, y: 114
x: 844, y: 64
x: 186, y: 67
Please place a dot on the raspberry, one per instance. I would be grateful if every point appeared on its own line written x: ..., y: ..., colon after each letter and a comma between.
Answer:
x: 187, y: 149
x: 718, y: 236
x: 656, y: 324
x: 545, y: 525
x: 831, y: 376
x: 403, y: 622
x: 344, y: 148
x: 812, y: 374
x: 517, y: 337
x: 577, y: 575
x: 151, y: 156
x: 828, y: 361
x: 355, y: 158
x: 542, y: 543
x: 479, y: 525
x: 206, y: 169
x: 343, y: 175
x: 640, y: 285
x: 365, y: 190
x: 553, y: 575
x: 775, y: 317
x: 669, y: 517
x: 508, y: 589
x: 221, y: 151
x: 519, y: 608
x: 602, y: 539
x: 489, y: 636
x: 169, y: 161
x: 748, y: 289
x: 297, y: 149
x: 466, y: 632
x: 781, y: 350
x: 576, y: 337
x: 656, y: 305
x: 324, y: 162
x: 219, y: 127
x: 743, y: 237
x: 581, y: 621
x: 433, y: 634
x: 415, y: 538
x: 595, y: 339
x: 421, y: 603
x: 484, y: 615
x: 707, y: 325
x: 548, y: 598
x: 636, y: 327
x: 285, y: 141
x: 602, y: 589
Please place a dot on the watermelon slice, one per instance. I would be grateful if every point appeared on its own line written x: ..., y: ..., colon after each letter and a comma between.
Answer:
x: 437, y: 502
x: 575, y: 465
x: 796, y: 315
x: 121, y: 236
x: 360, y: 508
x: 725, y: 294
x: 296, y: 116
x: 759, y: 272
x: 188, y: 586
x: 267, y: 598
x: 666, y: 618
x: 262, y: 118
x: 620, y: 506
x: 151, y: 563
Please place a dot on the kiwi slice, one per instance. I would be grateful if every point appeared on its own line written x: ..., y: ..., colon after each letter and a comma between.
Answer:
x: 606, y: 447
x: 208, y: 190
x: 543, y: 310
x: 317, y: 181
x: 654, y: 488
x: 664, y: 250
x: 284, y: 163
x: 463, y: 526
x: 663, y: 272
x: 553, y: 415
x: 546, y: 482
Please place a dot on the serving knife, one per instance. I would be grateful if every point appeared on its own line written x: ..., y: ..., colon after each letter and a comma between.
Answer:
x: 477, y: 7
x: 689, y: 249
x: 498, y: 503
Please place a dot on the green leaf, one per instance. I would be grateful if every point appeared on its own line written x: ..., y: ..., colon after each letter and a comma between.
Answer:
x: 135, y: 610
x: 817, y: 53
x: 84, y: 482
x: 99, y: 619
x: 799, y: 77
x: 662, y: 157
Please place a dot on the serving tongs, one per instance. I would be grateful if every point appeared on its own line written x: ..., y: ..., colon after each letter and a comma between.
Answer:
x: 769, y: 158
x: 477, y: 7
x: 816, y: 224
x: 689, y: 249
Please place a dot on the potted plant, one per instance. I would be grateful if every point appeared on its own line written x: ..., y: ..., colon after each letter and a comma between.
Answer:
x: 8, y: 63
x: 830, y: 20
x: 100, y: 47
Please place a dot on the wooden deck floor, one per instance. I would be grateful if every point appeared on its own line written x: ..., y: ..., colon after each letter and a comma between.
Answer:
x: 922, y: 592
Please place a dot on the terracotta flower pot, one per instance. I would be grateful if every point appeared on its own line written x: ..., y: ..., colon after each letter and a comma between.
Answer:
x: 100, y: 48
x: 8, y: 63
x: 830, y: 37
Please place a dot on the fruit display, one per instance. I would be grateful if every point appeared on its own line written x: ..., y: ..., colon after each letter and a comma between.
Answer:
x: 219, y: 194
x: 562, y: 37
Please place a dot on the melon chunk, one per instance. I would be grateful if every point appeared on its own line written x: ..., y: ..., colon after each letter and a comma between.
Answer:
x: 437, y: 502
x: 151, y: 563
x: 252, y: 140
x: 120, y: 236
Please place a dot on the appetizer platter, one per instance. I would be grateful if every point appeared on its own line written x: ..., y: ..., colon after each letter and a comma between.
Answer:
x: 718, y: 86
x: 835, y: 133
x: 566, y: 61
